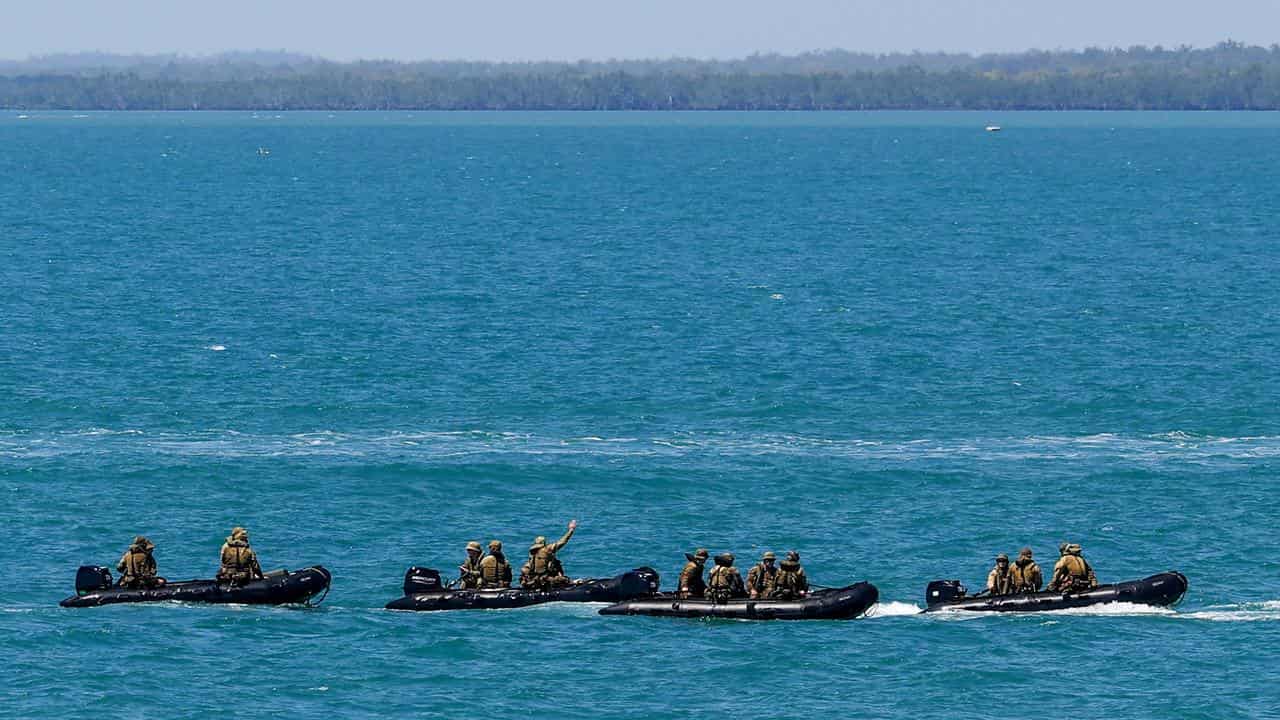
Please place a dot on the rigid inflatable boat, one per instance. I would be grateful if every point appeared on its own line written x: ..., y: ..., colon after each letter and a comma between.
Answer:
x: 1164, y: 589
x: 278, y: 587
x: 424, y: 591
x: 828, y: 604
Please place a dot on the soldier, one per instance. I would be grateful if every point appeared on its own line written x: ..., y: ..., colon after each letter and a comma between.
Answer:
x: 543, y: 571
x: 1072, y: 573
x: 239, y: 561
x: 138, y: 567
x: 998, y: 580
x: 760, y: 576
x: 495, y: 572
x: 791, y: 582
x: 724, y: 582
x: 469, y: 570
x: 691, y: 584
x: 1025, y: 575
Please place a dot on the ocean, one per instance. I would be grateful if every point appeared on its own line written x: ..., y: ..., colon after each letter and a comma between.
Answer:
x: 893, y: 342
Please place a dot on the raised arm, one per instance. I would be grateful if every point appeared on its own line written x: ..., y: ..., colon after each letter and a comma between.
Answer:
x: 564, y: 539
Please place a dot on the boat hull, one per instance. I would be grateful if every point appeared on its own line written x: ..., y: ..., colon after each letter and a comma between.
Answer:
x: 1161, y: 590
x: 287, y: 588
x: 640, y: 582
x: 836, y: 604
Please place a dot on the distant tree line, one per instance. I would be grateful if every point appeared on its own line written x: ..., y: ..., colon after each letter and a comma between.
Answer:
x: 1228, y: 76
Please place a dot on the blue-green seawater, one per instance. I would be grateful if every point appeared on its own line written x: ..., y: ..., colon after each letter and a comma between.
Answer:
x: 893, y: 342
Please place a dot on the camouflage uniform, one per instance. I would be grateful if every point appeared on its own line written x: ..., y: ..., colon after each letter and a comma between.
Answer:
x: 495, y: 572
x: 239, y: 561
x: 1072, y: 573
x: 761, y: 575
x: 691, y: 584
x: 724, y: 582
x: 999, y: 581
x: 791, y: 582
x: 543, y: 571
x: 137, y: 566
x: 469, y: 570
x: 1025, y: 575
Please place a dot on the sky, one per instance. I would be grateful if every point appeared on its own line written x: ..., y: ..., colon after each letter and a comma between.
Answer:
x: 602, y: 29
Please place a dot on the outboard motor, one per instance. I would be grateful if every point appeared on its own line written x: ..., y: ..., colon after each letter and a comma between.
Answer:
x: 941, y: 591
x: 641, y: 582
x: 92, y: 578
x: 422, y: 580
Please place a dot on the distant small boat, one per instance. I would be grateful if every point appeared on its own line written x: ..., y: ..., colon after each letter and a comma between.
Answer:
x: 263, y: 151
x: 23, y: 117
x: 994, y: 128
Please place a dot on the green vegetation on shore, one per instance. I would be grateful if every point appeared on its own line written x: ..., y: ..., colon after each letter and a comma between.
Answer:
x: 1228, y: 76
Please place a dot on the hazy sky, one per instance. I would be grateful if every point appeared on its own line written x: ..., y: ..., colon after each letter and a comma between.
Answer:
x: 598, y: 29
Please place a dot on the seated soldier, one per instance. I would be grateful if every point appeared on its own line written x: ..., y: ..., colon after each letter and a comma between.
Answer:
x: 1025, y: 575
x: 495, y: 571
x: 469, y: 570
x: 791, y: 582
x: 998, y: 580
x: 543, y: 571
x: 1072, y: 573
x: 724, y: 581
x: 239, y: 561
x: 138, y: 567
x: 691, y: 584
x: 760, y: 576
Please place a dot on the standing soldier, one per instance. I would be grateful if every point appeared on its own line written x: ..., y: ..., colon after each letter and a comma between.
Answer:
x: 1025, y: 576
x: 724, y: 582
x: 998, y: 580
x: 791, y: 582
x: 544, y: 571
x: 1072, y: 573
x: 495, y: 572
x: 761, y: 575
x: 138, y: 567
x: 469, y: 570
x: 239, y: 563
x: 691, y: 584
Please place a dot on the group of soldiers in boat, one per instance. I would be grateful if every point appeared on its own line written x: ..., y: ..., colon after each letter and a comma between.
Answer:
x: 238, y: 563
x: 766, y: 580
x: 1072, y: 573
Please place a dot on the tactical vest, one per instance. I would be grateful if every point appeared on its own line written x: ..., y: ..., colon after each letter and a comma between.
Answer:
x: 469, y: 573
x: 139, y: 566
x: 494, y: 574
x: 691, y: 581
x: 1077, y: 572
x: 544, y: 564
x: 761, y: 578
x: 787, y: 585
x: 1003, y: 583
x: 237, y: 563
x: 1021, y: 579
x: 720, y: 583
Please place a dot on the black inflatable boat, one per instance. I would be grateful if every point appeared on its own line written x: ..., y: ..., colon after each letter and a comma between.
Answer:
x: 830, y: 604
x: 424, y: 591
x: 1164, y: 589
x: 278, y: 587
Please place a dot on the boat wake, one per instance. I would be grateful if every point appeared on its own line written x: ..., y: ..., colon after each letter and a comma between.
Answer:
x: 1268, y: 611
x: 893, y: 609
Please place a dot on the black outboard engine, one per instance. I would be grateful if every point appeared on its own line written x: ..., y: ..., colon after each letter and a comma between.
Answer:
x: 92, y: 578
x: 422, y: 580
x: 940, y: 591
x: 641, y: 582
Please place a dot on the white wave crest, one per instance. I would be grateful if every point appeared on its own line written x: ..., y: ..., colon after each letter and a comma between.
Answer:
x: 894, y: 609
x: 1166, y: 447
